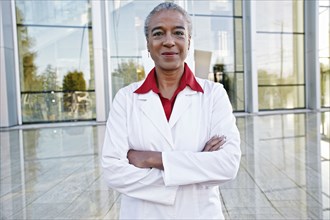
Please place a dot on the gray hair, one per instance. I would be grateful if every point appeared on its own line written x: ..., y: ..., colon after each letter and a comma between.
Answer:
x: 167, y: 6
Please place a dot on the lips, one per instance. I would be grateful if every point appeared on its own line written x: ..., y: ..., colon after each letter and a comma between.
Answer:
x: 169, y: 53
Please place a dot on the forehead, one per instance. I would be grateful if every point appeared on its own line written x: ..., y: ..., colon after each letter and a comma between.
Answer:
x: 167, y: 18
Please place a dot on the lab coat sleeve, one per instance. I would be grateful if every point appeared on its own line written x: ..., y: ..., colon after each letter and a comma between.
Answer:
x: 208, y: 168
x: 145, y: 184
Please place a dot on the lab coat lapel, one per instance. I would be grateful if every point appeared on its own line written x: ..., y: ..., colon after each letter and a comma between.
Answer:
x: 152, y: 107
x: 182, y: 103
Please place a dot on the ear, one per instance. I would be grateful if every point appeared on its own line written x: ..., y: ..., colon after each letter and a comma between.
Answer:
x: 189, y: 42
x: 148, y: 45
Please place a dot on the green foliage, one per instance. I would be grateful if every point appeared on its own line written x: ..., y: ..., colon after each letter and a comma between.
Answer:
x: 129, y: 71
x: 49, y: 79
x: 74, y: 81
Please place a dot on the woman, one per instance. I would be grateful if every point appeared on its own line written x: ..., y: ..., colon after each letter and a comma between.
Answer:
x: 164, y: 146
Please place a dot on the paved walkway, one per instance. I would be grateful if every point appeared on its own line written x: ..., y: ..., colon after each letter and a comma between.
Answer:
x: 54, y: 172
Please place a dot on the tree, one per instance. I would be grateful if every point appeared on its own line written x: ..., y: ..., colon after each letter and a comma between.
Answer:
x: 30, y: 80
x: 72, y: 82
x: 129, y: 71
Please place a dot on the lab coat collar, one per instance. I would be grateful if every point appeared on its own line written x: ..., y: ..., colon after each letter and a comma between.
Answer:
x: 152, y: 107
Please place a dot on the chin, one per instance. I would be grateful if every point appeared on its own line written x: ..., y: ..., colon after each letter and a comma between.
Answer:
x: 171, y: 65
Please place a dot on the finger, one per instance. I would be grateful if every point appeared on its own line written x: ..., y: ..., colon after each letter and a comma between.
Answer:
x: 218, y: 145
x: 215, y: 148
x: 214, y: 140
x: 223, y: 141
x: 211, y: 144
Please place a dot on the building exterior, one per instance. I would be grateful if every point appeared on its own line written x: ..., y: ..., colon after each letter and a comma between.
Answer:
x: 65, y: 60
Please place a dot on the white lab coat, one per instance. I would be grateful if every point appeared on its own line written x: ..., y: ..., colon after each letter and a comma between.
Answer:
x: 188, y: 186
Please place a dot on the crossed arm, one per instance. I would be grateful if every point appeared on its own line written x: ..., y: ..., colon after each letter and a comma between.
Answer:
x: 153, y: 159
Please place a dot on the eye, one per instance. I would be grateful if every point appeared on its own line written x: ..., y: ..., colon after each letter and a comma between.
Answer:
x: 179, y: 33
x: 157, y: 33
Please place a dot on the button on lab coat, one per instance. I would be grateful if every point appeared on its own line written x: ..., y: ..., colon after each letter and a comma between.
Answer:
x: 187, y: 188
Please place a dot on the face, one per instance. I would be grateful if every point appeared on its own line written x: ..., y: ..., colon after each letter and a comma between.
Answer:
x: 168, y: 40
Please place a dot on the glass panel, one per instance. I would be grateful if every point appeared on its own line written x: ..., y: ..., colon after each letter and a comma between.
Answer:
x: 324, y: 3
x: 280, y: 16
x: 325, y: 126
x: 217, y: 45
x: 238, y: 7
x: 58, y: 106
x: 126, y: 71
x: 239, y: 60
x: 223, y: 7
x: 324, y: 54
x: 324, y: 32
x: 57, y: 77
x: 325, y: 82
x: 234, y: 85
x: 54, y: 12
x: 280, y: 59
x: 127, y: 27
x: 129, y: 61
x: 281, y: 97
x: 48, y: 53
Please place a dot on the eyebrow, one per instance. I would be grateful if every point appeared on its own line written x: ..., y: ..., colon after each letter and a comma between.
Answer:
x: 159, y: 27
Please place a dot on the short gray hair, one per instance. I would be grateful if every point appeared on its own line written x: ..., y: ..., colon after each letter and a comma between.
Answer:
x: 167, y: 6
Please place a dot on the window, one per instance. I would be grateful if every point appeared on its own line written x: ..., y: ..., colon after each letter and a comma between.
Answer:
x: 324, y: 51
x: 280, y: 54
x: 55, y: 57
x: 217, y: 43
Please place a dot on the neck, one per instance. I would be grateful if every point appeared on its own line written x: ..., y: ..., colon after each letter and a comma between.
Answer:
x: 168, y: 81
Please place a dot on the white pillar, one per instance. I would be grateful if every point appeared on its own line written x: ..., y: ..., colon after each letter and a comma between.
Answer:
x: 8, y: 88
x: 102, y: 82
x: 312, y: 69
x: 250, y: 69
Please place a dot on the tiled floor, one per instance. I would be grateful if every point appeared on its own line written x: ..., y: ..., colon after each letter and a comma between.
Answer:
x: 54, y: 173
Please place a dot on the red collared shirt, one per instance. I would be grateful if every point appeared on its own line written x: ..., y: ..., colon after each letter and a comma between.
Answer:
x: 187, y: 79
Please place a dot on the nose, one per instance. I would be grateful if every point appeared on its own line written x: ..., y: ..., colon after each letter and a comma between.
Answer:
x: 169, y: 40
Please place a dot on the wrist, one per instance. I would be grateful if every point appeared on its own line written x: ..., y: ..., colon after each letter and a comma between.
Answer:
x: 155, y: 160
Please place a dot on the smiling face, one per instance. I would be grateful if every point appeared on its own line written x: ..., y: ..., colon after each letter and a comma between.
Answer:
x: 168, y: 40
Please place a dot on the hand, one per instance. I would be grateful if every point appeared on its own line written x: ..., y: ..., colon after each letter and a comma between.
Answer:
x: 145, y: 159
x: 215, y: 143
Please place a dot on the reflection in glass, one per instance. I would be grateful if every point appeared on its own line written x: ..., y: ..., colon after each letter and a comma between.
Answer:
x: 125, y: 72
x: 234, y: 85
x: 324, y: 52
x: 280, y: 54
x: 239, y: 60
x: 53, y: 12
x: 213, y: 7
x: 325, y: 82
x: 223, y: 45
x: 219, y: 41
x: 238, y: 7
x: 127, y: 27
x: 55, y: 61
x: 280, y: 59
x: 127, y: 46
x: 281, y: 97
x: 280, y: 16
x: 219, y: 54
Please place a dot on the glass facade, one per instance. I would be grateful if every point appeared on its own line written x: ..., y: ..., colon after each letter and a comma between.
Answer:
x: 280, y: 54
x: 217, y: 42
x: 324, y: 51
x: 55, y: 60
x: 259, y: 58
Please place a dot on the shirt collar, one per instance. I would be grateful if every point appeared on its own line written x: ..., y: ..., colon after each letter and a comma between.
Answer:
x: 187, y: 79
